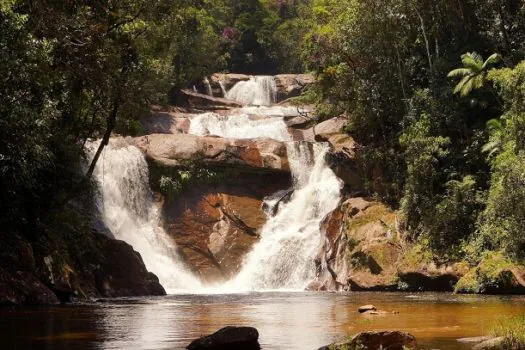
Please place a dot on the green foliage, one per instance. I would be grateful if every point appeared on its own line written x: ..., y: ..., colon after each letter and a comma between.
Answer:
x: 474, y: 72
x: 490, y: 275
x: 513, y: 331
x: 502, y: 222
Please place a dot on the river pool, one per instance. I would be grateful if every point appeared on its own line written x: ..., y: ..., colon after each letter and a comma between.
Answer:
x: 297, y: 320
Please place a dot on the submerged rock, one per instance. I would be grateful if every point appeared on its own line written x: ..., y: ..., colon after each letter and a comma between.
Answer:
x: 228, y: 338
x: 366, y: 308
x: 384, y: 340
x: 491, y: 344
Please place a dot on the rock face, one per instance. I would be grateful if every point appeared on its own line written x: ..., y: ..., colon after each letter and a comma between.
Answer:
x: 164, y: 122
x: 288, y: 85
x: 364, y: 251
x: 227, y: 80
x: 386, y: 340
x: 228, y: 338
x: 292, y: 85
x: 216, y: 226
x: 96, y: 266
x: 173, y: 150
x: 121, y: 271
x: 197, y: 100
x: 19, y: 287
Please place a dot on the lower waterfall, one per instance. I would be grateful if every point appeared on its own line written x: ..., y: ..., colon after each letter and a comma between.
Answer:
x: 291, y: 239
x: 125, y: 203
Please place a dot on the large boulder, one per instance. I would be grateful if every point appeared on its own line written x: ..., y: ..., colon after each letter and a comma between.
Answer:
x: 166, y: 122
x: 228, y: 338
x: 19, y: 287
x: 292, y: 85
x: 490, y: 344
x: 215, y: 226
x: 228, y: 80
x: 361, y: 249
x: 343, y: 158
x: 384, y: 340
x: 262, y: 155
x: 120, y: 271
x: 188, y: 98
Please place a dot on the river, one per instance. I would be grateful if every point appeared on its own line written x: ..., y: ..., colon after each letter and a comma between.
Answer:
x: 291, y: 321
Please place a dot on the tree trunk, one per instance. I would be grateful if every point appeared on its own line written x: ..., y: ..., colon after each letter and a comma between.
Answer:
x: 111, y: 121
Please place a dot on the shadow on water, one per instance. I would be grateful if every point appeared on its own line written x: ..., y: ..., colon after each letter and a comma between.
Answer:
x: 284, y: 320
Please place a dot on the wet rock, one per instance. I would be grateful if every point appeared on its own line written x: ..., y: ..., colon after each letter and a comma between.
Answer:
x: 316, y: 286
x: 366, y: 308
x: 19, y: 287
x: 215, y: 226
x: 187, y: 98
x: 491, y: 344
x: 228, y: 338
x: 174, y: 150
x: 385, y: 340
x: 428, y: 278
x: 120, y: 271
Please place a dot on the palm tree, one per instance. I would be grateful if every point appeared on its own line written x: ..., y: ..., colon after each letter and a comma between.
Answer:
x: 474, y: 72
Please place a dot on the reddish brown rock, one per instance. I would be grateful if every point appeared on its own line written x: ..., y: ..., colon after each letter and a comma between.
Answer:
x: 174, y: 150
x: 216, y: 226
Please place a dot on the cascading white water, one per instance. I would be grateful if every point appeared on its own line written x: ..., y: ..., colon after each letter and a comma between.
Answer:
x: 272, y: 111
x: 258, y: 91
x: 291, y: 239
x: 223, y: 89
x: 238, y: 127
x: 126, y: 205
x: 209, y: 90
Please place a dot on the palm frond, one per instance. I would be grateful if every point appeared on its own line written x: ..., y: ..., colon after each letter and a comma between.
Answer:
x: 473, y: 61
x: 461, y: 84
x: 459, y: 72
x: 467, y: 87
x: 491, y: 61
x: 495, y: 125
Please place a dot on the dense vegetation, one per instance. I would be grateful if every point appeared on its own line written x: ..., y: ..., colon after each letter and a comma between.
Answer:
x: 434, y: 91
x: 442, y: 126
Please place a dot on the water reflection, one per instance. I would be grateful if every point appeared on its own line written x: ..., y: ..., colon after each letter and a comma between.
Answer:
x: 284, y: 320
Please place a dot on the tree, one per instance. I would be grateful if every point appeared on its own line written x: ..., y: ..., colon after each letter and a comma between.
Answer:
x: 474, y: 72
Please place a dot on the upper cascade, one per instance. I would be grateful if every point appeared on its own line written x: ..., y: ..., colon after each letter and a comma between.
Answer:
x: 239, y: 126
x: 257, y: 91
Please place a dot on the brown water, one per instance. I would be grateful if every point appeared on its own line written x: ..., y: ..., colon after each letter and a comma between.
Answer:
x: 284, y: 320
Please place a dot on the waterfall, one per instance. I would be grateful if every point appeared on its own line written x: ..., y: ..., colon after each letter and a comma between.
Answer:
x: 258, y: 91
x: 223, y: 89
x: 238, y: 126
x: 291, y: 239
x: 126, y: 205
x: 209, y: 90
